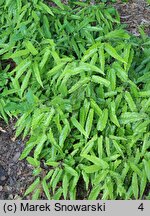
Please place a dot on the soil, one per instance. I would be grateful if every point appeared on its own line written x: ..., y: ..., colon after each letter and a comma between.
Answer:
x: 16, y: 175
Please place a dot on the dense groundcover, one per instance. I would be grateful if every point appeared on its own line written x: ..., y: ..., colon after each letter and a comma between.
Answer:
x: 79, y: 86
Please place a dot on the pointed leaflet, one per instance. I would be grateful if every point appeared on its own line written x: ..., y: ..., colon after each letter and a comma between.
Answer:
x: 111, y: 51
x: 89, y: 122
x: 37, y: 73
x: 102, y: 120
x: 147, y: 168
x: 102, y: 57
x: 78, y: 126
x: 32, y: 186
x: 100, y: 80
x: 97, y: 161
x: 46, y: 8
x: 79, y: 84
x: 63, y: 135
x: 65, y: 185
x: 70, y: 170
x: 46, y: 189
x: 94, y: 192
x: 31, y: 48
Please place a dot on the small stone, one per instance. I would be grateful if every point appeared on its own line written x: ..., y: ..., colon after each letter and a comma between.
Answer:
x: 3, y: 178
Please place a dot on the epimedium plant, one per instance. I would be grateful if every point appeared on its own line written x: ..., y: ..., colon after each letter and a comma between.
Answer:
x: 80, y: 91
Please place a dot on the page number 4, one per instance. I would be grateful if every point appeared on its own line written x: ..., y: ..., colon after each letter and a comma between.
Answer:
x: 141, y: 207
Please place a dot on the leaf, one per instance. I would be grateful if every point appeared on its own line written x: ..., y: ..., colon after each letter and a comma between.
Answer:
x: 37, y: 73
x: 112, y: 52
x: 102, y: 122
x: 135, y: 185
x: 97, y: 161
x: 46, y: 8
x: 94, y: 193
x: 78, y: 126
x: 91, y: 169
x: 63, y: 135
x: 70, y: 170
x: 143, y: 184
x: 100, y: 80
x: 33, y: 161
x: 59, y: 4
x: 65, y: 185
x: 79, y: 84
x: 32, y: 186
x: 130, y: 102
x: 46, y: 189
x: 89, y: 122
x: 40, y: 145
x: 147, y: 168
x: 31, y: 48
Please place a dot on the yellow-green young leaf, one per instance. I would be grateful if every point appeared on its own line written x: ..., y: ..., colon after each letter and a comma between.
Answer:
x: 70, y: 170
x: 135, y: 187
x: 88, y: 53
x: 96, y: 108
x: 100, y: 80
x: 147, y: 168
x: 97, y: 161
x: 37, y: 73
x: 25, y: 82
x: 34, y: 162
x: 86, y: 179
x: 89, y: 122
x: 31, y: 48
x: 65, y: 185
x: 46, y: 8
x: 91, y: 169
x: 89, y: 145
x: 32, y: 186
x: 144, y: 93
x: 78, y: 126
x: 130, y: 102
x: 46, y: 189
x: 102, y: 57
x: 59, y: 4
x: 79, y: 84
x: 102, y: 122
x: 52, y: 163
x: 49, y: 117
x: 100, y: 146
x: 19, y: 53
x: 29, y: 146
x: 53, y: 142
x: 112, y: 52
x: 95, y: 192
x: 118, y: 33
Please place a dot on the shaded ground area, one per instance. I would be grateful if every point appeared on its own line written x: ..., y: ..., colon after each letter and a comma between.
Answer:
x: 15, y: 175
